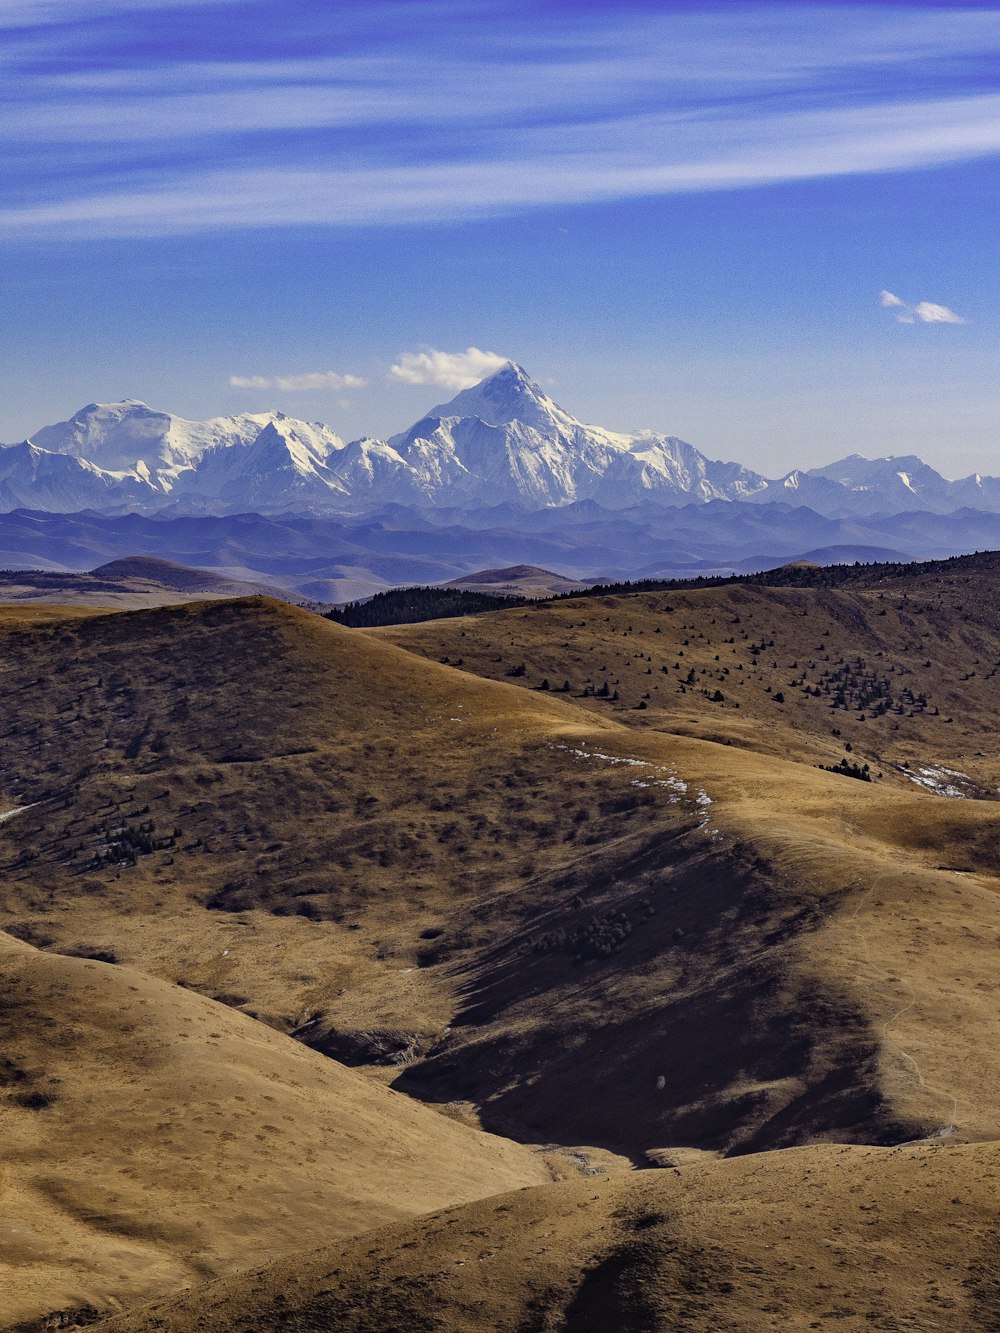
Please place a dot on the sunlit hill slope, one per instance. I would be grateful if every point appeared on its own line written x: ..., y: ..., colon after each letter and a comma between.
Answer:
x: 553, y: 914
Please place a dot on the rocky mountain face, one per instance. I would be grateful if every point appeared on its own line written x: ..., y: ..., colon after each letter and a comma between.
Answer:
x: 502, y: 442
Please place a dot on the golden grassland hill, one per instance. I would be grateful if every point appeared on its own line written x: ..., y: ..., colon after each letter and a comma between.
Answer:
x: 152, y: 1138
x: 854, y: 1239
x: 126, y: 584
x: 499, y: 897
x: 254, y: 801
x: 900, y: 675
x: 895, y: 669
x: 884, y: 891
x: 578, y: 930
x: 281, y: 814
x: 830, y: 972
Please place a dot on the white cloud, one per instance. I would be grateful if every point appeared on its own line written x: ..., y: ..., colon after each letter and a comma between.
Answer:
x: 447, y: 370
x: 930, y: 313
x: 924, y: 312
x: 490, y: 123
x: 318, y: 379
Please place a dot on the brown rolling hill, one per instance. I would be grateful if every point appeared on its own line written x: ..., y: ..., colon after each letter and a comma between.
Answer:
x: 497, y: 898
x: 874, y: 888
x: 903, y: 668
x: 855, y: 1239
x: 244, y: 771
x: 559, y: 916
x: 152, y: 1138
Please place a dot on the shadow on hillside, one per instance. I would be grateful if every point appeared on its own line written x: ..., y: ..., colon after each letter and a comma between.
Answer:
x: 664, y: 1004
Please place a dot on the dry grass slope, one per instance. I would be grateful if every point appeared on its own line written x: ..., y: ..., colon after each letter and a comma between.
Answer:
x: 152, y: 1138
x: 442, y: 873
x: 569, y: 919
x: 249, y: 800
x: 905, y: 670
x: 854, y: 1239
x: 857, y: 946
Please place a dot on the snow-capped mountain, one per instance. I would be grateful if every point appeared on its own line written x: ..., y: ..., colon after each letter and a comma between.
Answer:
x: 501, y: 442
x: 281, y: 463
x: 127, y: 455
x: 131, y: 437
x: 857, y: 487
x: 33, y: 478
x: 507, y: 440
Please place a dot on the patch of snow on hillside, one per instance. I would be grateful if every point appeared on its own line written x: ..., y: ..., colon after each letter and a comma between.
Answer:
x: 942, y: 781
x: 16, y: 810
x: 665, y: 779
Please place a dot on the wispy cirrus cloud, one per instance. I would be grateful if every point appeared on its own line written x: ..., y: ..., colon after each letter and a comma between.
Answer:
x: 923, y: 312
x: 292, y: 116
x: 310, y: 381
x: 446, y: 370
x: 644, y: 157
x: 26, y: 13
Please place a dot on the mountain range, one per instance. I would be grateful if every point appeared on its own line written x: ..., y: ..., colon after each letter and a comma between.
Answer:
x: 501, y: 442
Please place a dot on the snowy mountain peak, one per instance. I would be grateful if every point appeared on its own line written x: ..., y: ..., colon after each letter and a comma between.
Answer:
x: 507, y: 396
x: 303, y: 439
x: 856, y: 470
x: 279, y: 445
x: 130, y: 437
x: 113, y: 436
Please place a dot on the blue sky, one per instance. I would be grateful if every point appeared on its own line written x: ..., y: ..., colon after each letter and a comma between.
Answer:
x: 675, y: 216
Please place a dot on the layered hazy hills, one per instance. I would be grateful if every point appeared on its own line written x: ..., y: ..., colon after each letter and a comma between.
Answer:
x: 329, y: 558
x: 641, y: 922
x: 502, y: 442
x: 132, y: 582
x: 340, y: 557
